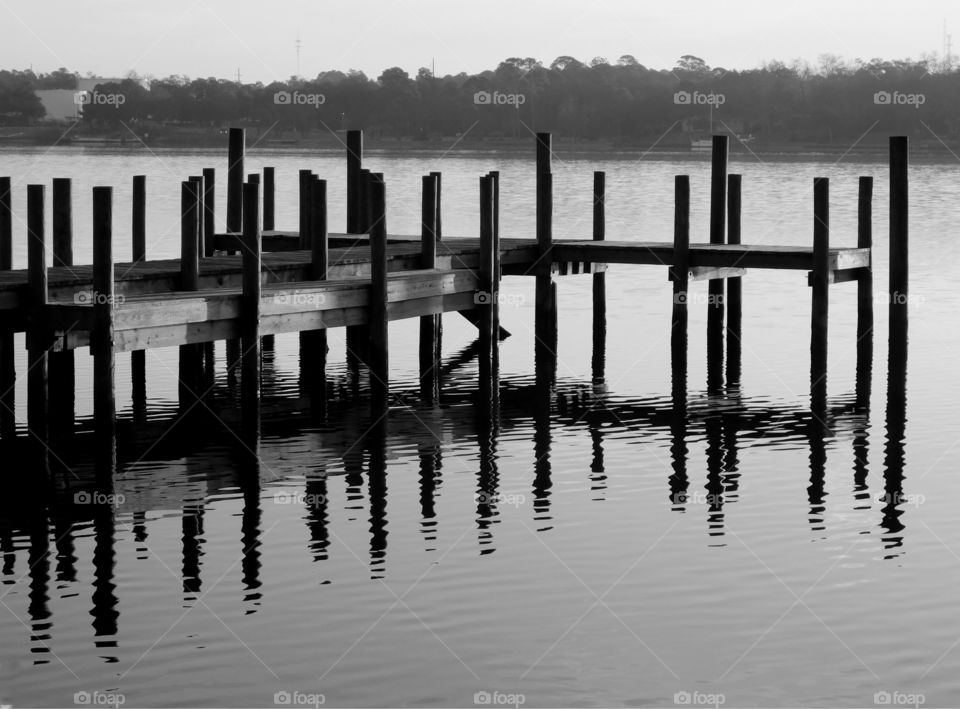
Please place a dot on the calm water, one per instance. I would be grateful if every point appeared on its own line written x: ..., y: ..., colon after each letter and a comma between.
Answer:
x: 366, y: 571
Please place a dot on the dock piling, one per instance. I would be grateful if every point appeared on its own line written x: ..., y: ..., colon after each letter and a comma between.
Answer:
x: 37, y: 335
x: 599, y: 356
x: 429, y: 365
x: 62, y: 365
x: 820, y: 287
x: 487, y: 296
x: 865, y: 293
x: 734, y: 299
x: 899, y: 241
x: 306, y: 182
x: 102, y: 336
x: 8, y: 370
x: 378, y: 358
x: 209, y: 210
x: 544, y: 297
x: 250, y: 329
x: 269, y: 199
x: 715, y: 289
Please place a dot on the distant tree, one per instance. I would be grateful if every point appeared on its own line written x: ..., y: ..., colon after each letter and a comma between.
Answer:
x: 627, y: 60
x: 565, y: 62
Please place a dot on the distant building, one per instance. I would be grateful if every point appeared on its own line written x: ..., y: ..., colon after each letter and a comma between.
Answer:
x: 60, y: 104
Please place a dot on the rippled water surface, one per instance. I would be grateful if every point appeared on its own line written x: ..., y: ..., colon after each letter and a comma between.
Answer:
x: 546, y: 554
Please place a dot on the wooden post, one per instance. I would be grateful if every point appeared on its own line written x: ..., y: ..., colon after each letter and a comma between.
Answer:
x: 104, y: 396
x: 439, y: 222
x: 235, y: 181
x: 37, y: 336
x: 378, y: 358
x: 429, y: 381
x: 899, y: 241
x: 820, y: 283
x: 209, y: 210
x: 269, y: 199
x: 8, y: 371
x: 250, y: 328
x: 865, y: 293
x: 498, y: 334
x: 438, y: 231
x: 62, y: 366
x: 138, y: 224
x: 680, y: 270
x: 718, y: 200
x: 306, y: 177
x: 543, y: 307
x: 354, y: 184
x: 315, y: 341
x: 201, y: 214
x: 189, y: 235
x: 598, y: 363
x: 487, y: 297
x: 734, y: 299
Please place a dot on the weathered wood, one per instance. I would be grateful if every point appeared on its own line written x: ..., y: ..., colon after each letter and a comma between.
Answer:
x: 439, y: 222
x: 429, y: 380
x: 189, y: 235
x: 313, y: 343
x: 209, y: 210
x: 250, y: 321
x: 139, y: 219
x: 306, y: 181
x: 599, y: 353
x: 820, y: 289
x: 499, y: 332
x: 680, y: 268
x: 320, y: 255
x: 36, y: 247
x: 355, y: 187
x: 544, y: 154
x: 734, y: 299
x: 379, y: 354
x: 8, y: 372
x: 487, y: 296
x: 269, y: 199
x: 201, y: 214
x: 235, y: 180
x: 38, y: 336
x: 715, y: 289
x: 543, y: 310
x: 899, y: 238
x: 102, y: 337
x: 62, y: 222
x: 864, y: 292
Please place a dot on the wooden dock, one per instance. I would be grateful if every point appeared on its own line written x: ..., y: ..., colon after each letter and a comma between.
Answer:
x: 255, y: 281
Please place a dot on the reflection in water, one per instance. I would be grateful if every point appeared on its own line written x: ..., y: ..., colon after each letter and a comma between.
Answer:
x: 105, y: 613
x: 316, y: 515
x: 376, y: 441
x: 430, y: 478
x: 894, y: 456
x: 488, y: 484
x: 38, y: 560
x: 192, y: 528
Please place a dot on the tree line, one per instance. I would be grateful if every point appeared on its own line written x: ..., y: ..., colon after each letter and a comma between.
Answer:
x: 832, y: 102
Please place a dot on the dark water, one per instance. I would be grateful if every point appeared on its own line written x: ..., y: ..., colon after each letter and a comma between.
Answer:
x: 595, y: 544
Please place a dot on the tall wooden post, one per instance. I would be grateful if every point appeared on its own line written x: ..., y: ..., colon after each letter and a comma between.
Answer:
x: 235, y: 181
x: 544, y: 303
x: 250, y: 328
x: 715, y: 289
x: 38, y: 336
x: 899, y: 242
x: 269, y: 199
x: 429, y: 380
x: 62, y: 365
x: 820, y: 283
x: 599, y: 358
x: 438, y: 230
x: 104, y: 394
x: 865, y: 294
x: 306, y: 180
x: 191, y: 355
x: 201, y: 213
x: 734, y: 299
x: 138, y: 252
x: 8, y: 371
x: 354, y: 185
x: 209, y: 210
x: 680, y: 275
x: 487, y: 298
x: 314, y: 342
x: 378, y: 359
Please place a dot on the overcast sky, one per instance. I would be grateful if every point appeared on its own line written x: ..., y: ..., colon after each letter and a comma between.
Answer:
x: 218, y: 37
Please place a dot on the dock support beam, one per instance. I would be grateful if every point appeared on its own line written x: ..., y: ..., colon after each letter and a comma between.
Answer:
x: 37, y: 335
x: 235, y: 181
x: 544, y: 326
x: 715, y: 305
x: 209, y: 210
x: 62, y: 364
x: 250, y: 329
x: 429, y: 364
x: 820, y: 283
x: 489, y: 286
x: 313, y: 343
x: 378, y: 358
x: 138, y: 358
x: 438, y: 229
x: 734, y: 299
x: 865, y: 294
x: 269, y: 199
x: 357, y: 223
x: 680, y: 277
x: 306, y: 182
x: 599, y: 358
x: 104, y: 390
x: 899, y: 243
x: 191, y: 355
x: 8, y: 370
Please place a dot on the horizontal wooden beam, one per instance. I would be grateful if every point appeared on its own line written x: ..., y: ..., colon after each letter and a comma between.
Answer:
x: 844, y: 276
x: 707, y: 273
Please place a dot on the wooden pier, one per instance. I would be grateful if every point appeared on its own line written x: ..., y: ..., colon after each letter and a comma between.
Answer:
x: 254, y: 281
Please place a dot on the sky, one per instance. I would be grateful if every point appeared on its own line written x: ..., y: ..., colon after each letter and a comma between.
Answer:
x: 201, y: 38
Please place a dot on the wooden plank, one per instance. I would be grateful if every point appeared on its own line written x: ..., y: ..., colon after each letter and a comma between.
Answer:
x: 706, y: 273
